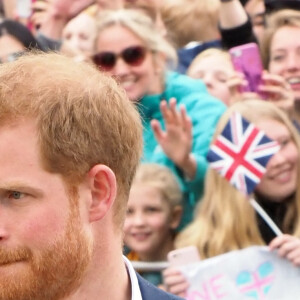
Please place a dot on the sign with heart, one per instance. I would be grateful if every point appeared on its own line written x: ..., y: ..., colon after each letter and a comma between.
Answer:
x: 254, y: 273
x: 256, y: 284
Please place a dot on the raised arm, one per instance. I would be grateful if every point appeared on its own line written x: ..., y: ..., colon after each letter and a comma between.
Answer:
x: 235, y: 25
x: 59, y: 12
x: 176, y: 140
x: 232, y: 14
x: 9, y: 8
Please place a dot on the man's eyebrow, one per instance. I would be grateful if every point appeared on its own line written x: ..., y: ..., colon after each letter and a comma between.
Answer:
x: 21, y: 187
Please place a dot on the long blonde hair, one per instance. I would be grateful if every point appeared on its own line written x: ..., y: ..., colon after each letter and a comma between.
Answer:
x: 225, y: 221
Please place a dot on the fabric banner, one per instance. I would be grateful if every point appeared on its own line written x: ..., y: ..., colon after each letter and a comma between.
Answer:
x: 252, y: 273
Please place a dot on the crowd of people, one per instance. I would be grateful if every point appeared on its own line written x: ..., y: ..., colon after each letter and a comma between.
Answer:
x: 107, y: 113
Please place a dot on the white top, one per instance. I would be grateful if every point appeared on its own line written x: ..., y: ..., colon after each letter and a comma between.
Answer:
x: 135, y: 288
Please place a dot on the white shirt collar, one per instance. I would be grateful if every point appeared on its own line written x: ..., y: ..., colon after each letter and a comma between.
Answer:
x: 135, y: 288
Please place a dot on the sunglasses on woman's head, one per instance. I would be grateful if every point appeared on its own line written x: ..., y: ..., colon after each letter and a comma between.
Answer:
x: 133, y: 56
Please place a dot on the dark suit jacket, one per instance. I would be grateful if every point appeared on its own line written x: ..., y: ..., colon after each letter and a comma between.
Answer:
x: 150, y: 292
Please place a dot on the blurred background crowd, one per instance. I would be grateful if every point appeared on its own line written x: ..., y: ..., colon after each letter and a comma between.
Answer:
x: 173, y: 59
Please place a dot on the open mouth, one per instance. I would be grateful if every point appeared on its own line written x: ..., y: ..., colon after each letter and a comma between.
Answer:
x: 294, y: 82
x: 127, y: 83
x: 283, y: 176
x: 141, y: 236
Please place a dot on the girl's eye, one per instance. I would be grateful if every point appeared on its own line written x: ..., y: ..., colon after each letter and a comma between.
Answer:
x: 284, y: 142
x: 152, y: 209
x: 83, y: 36
x: 129, y: 212
x: 16, y: 195
x: 68, y: 36
x: 221, y: 77
x: 277, y: 58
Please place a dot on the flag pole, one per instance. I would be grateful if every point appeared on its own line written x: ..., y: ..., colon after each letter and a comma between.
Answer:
x: 265, y: 217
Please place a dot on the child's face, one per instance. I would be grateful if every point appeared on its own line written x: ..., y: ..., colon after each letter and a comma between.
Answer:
x: 80, y: 33
x: 214, y: 70
x: 148, y: 221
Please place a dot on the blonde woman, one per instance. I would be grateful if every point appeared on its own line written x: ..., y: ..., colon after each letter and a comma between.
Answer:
x: 132, y: 50
x: 225, y: 221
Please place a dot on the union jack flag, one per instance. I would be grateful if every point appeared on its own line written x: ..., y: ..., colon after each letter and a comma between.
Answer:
x: 241, y: 153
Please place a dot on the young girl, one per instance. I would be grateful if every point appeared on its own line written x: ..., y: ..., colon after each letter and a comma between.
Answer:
x: 214, y: 67
x: 225, y: 220
x: 153, y: 213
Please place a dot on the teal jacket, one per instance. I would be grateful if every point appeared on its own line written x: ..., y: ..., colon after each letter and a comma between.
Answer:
x: 204, y: 111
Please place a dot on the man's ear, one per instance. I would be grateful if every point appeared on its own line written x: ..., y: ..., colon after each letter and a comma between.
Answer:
x: 103, y: 185
x: 176, y: 216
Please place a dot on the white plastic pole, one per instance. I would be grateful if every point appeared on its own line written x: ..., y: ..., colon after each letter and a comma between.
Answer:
x: 266, y: 217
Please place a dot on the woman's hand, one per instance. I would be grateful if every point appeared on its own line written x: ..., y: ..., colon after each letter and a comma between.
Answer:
x: 278, y: 91
x: 235, y: 84
x: 66, y: 9
x: 175, y: 282
x: 274, y: 89
x: 51, y: 16
x: 288, y: 246
x: 176, y: 140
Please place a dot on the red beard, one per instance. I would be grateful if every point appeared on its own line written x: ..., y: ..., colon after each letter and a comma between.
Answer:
x: 51, y: 274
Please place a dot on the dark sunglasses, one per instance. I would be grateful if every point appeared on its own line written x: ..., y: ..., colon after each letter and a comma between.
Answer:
x: 133, y: 56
